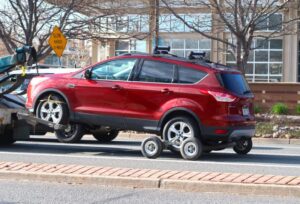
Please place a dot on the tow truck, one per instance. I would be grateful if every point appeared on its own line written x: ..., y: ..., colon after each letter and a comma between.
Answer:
x: 16, y: 123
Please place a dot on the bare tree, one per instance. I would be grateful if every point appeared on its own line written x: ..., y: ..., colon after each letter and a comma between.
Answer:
x: 243, y: 21
x: 30, y: 22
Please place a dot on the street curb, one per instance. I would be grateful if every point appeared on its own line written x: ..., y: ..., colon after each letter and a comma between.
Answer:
x: 250, y: 184
x: 81, y: 179
x: 248, y: 189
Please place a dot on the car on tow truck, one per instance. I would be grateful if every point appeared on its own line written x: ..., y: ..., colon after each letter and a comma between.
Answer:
x: 193, y: 104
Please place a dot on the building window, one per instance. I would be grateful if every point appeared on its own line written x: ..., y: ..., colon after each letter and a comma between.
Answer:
x: 270, y: 23
x: 170, y: 23
x: 182, y: 47
x: 124, y: 24
x: 265, y: 62
x: 130, y: 46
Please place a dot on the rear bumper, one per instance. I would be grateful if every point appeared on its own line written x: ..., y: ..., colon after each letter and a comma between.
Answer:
x: 232, y: 134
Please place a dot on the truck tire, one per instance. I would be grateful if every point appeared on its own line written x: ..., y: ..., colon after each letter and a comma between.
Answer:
x: 7, y: 137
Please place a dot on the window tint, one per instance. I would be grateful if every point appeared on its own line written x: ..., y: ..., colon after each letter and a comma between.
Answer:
x: 114, y: 70
x: 189, y: 76
x: 153, y: 71
x: 235, y: 83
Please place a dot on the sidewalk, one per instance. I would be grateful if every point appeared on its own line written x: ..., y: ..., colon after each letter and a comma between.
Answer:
x: 251, y: 184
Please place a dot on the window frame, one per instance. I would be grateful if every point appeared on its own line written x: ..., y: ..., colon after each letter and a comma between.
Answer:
x: 130, y: 75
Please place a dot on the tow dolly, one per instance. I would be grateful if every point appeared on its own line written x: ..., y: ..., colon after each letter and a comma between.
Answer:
x: 16, y: 123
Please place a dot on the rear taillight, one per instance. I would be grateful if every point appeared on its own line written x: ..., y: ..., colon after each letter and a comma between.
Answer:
x: 222, y: 97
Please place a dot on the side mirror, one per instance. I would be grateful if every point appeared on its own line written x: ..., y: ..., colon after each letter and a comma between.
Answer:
x: 21, y: 58
x: 87, y: 74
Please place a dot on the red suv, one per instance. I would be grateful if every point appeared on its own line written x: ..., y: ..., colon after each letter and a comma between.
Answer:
x: 173, y: 97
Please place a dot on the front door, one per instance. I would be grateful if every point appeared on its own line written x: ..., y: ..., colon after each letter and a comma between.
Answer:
x: 101, y: 99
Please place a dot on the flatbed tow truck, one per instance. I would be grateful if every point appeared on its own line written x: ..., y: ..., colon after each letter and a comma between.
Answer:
x: 16, y: 123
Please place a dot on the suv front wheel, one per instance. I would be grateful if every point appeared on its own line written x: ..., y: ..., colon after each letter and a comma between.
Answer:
x: 72, y: 134
x: 179, y: 129
x: 103, y: 135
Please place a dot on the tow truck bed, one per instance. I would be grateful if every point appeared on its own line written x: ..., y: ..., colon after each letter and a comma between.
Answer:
x: 16, y: 123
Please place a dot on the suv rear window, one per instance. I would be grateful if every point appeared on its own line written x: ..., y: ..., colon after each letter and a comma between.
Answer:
x: 189, y: 76
x: 235, y: 83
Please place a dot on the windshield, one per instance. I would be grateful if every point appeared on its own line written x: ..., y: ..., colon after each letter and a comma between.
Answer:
x: 235, y: 83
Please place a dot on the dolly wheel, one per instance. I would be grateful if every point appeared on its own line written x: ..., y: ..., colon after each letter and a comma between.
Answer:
x: 152, y: 147
x: 191, y: 149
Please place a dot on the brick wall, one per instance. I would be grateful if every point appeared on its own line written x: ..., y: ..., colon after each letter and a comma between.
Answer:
x: 267, y: 94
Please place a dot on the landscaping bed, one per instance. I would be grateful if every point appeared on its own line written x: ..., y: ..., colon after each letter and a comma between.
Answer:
x: 277, y: 126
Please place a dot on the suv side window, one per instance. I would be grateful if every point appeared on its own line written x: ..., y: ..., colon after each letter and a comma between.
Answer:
x: 189, y: 76
x: 114, y: 70
x: 153, y: 71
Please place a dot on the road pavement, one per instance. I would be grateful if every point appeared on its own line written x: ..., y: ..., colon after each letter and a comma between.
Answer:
x: 45, y: 192
x: 275, y: 159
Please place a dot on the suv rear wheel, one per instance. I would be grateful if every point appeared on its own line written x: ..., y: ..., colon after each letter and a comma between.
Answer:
x: 179, y: 129
x: 243, y: 146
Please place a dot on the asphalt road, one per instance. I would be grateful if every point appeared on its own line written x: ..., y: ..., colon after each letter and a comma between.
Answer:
x: 33, y: 192
x: 276, y: 159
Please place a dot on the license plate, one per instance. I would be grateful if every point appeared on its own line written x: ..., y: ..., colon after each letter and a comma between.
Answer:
x: 245, y: 111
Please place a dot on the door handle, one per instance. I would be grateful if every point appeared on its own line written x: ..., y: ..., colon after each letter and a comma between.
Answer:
x: 71, y: 86
x: 116, y: 87
x: 167, y: 91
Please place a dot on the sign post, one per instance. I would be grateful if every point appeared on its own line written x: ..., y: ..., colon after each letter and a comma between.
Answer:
x: 57, y: 42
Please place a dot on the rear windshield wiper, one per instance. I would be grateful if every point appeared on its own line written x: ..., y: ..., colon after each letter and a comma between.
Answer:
x: 247, y: 92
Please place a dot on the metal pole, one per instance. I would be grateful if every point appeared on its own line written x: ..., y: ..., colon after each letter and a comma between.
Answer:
x: 156, y: 22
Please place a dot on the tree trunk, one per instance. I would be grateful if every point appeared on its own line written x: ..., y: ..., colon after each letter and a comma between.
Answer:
x: 239, y: 57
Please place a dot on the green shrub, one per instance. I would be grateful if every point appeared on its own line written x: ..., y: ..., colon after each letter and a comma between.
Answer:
x: 257, y: 109
x: 279, y: 109
x: 298, y: 109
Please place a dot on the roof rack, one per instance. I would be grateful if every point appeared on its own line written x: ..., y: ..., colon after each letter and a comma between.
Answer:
x: 196, y: 55
x: 158, y: 50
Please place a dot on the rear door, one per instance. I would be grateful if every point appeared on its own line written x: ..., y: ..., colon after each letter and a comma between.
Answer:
x: 152, y: 90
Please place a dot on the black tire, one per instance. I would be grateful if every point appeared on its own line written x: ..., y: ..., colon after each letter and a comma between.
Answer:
x: 7, y: 137
x: 243, y: 146
x: 58, y: 101
x: 195, y: 132
x: 152, y: 147
x: 104, y: 135
x: 70, y: 135
x: 191, y: 149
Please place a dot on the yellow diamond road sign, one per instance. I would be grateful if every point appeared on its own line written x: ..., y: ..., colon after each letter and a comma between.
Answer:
x: 57, y: 41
